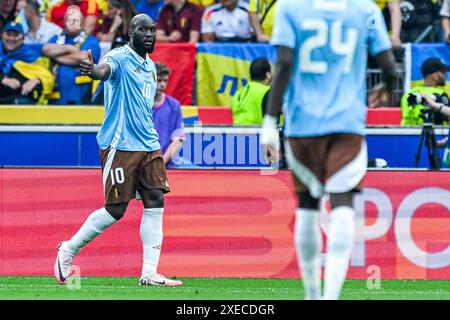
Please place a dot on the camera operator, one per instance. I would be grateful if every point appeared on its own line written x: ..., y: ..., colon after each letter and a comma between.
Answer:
x: 444, y: 110
x: 414, y: 108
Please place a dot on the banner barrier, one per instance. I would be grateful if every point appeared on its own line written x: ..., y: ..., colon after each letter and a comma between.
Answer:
x: 224, y: 224
x: 205, y: 147
x: 93, y: 115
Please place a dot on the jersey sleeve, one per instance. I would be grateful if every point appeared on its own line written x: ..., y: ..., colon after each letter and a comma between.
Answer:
x: 111, y: 60
x: 378, y: 39
x: 284, y: 30
x: 206, y: 26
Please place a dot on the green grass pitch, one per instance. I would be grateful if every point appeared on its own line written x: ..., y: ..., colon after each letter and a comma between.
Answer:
x: 122, y: 288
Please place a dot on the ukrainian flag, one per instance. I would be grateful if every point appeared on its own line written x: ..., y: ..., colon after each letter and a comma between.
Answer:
x: 417, y: 56
x: 223, y: 68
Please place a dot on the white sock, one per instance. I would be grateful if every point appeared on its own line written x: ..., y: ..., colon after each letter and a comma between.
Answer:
x: 340, y: 242
x: 95, y: 224
x: 308, y: 244
x: 151, y: 236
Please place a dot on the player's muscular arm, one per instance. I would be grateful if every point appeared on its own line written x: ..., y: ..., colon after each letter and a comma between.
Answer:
x: 99, y: 72
x: 270, y: 138
x: 380, y: 94
x: 280, y: 80
x: 386, y: 61
x: 95, y: 72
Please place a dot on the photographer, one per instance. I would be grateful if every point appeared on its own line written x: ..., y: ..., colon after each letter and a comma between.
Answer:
x: 414, y: 107
x: 444, y: 110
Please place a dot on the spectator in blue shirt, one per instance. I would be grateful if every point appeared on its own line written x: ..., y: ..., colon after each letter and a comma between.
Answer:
x: 150, y: 7
x: 71, y: 87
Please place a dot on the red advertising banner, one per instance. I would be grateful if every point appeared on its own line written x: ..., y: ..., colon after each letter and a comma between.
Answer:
x: 180, y: 59
x: 224, y: 224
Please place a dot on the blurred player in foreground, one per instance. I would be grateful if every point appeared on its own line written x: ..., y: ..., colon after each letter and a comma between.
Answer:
x: 131, y: 157
x: 320, y: 77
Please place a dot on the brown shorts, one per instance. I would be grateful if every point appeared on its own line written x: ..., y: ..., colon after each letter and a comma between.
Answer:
x: 125, y: 172
x: 333, y: 163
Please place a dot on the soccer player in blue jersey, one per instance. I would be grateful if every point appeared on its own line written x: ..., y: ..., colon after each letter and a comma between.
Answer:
x: 131, y: 157
x: 322, y: 50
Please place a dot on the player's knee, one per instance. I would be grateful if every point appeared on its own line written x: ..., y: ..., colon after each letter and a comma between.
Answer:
x: 117, y: 211
x: 306, y: 201
x: 341, y: 199
x: 153, y: 198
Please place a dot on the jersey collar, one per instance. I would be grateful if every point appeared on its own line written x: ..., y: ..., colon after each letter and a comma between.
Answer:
x: 138, y: 57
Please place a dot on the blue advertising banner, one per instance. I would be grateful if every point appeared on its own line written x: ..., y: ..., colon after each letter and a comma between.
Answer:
x: 205, y: 147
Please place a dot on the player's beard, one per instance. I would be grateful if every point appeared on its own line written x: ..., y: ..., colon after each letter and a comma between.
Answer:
x: 140, y: 46
x: 441, y: 81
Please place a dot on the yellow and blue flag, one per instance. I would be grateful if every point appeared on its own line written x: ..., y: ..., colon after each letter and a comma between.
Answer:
x: 224, y: 68
x: 416, y: 56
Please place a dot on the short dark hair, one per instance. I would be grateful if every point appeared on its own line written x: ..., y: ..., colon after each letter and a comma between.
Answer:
x: 433, y: 65
x: 259, y: 68
x: 162, y: 69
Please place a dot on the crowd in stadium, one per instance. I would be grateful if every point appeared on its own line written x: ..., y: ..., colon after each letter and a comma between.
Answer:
x: 49, y: 46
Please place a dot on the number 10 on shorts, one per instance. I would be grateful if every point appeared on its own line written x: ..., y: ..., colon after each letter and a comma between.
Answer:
x: 117, y: 175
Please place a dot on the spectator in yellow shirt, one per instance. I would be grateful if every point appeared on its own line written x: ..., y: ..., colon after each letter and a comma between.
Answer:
x: 393, y: 6
x: 261, y: 14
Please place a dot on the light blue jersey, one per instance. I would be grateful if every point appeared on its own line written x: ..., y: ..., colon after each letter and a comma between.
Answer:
x: 330, y: 39
x: 129, y: 96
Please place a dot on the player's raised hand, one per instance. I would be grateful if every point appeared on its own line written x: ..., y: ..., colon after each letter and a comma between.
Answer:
x: 86, y: 66
x: 378, y: 97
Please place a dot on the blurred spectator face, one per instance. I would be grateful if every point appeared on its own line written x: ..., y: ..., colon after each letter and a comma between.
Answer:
x: 6, y: 8
x: 169, y: 2
x: 12, y: 40
x: 113, y: 9
x: 73, y: 23
x: 229, y: 4
x: 162, y: 81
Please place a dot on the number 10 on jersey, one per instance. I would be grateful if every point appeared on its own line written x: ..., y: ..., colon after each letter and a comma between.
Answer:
x: 147, y: 90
